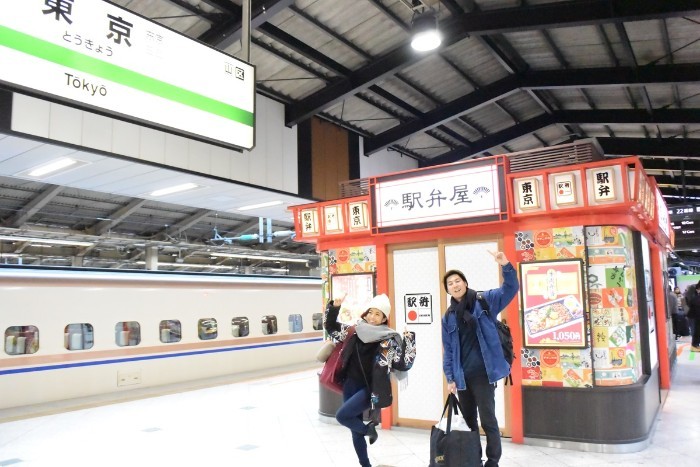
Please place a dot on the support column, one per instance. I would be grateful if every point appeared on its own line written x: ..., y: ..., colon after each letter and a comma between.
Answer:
x: 152, y: 258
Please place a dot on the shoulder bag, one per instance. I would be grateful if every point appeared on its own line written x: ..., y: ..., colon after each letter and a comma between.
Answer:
x: 331, y: 374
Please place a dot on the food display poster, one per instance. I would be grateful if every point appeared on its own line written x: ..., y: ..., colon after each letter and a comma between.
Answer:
x: 358, y: 290
x: 552, y: 297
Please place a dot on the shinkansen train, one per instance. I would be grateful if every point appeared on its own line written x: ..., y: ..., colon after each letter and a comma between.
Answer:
x: 73, y: 333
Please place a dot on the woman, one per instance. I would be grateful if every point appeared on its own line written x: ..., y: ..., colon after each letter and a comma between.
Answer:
x: 371, y: 353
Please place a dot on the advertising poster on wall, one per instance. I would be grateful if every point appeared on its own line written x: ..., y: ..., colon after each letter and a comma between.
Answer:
x: 358, y: 290
x: 552, y: 300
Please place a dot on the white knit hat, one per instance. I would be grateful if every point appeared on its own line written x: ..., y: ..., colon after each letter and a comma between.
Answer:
x: 381, y: 303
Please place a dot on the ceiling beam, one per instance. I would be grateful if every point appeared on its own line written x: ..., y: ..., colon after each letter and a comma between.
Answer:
x: 568, y: 14
x: 496, y: 139
x: 116, y: 217
x: 554, y: 79
x: 303, y: 49
x: 33, y: 206
x: 666, y: 116
x: 536, y: 17
x: 228, y: 32
x: 666, y: 147
x: 671, y: 165
x: 186, y: 223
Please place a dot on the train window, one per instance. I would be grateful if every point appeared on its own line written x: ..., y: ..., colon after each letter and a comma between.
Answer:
x: 240, y: 326
x: 317, y: 321
x: 295, y: 323
x: 21, y: 340
x: 170, y: 331
x: 269, y: 324
x: 207, y: 329
x: 78, y: 336
x: 127, y: 333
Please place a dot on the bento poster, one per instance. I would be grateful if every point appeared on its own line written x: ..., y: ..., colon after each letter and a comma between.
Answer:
x: 552, y: 298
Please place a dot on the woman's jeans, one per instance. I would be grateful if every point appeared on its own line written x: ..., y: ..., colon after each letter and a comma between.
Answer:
x: 355, y: 402
x: 481, y: 395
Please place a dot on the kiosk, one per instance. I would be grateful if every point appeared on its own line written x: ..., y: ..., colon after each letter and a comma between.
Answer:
x: 588, y: 237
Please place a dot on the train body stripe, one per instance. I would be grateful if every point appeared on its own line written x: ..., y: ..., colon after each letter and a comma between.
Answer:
x: 153, y: 357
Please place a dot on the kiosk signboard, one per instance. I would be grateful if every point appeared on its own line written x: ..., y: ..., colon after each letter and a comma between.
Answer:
x: 447, y: 195
x: 97, y: 56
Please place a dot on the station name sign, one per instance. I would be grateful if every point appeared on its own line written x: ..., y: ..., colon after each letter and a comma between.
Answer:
x: 95, y: 55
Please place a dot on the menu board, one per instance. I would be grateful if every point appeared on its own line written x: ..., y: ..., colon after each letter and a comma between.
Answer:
x: 552, y: 297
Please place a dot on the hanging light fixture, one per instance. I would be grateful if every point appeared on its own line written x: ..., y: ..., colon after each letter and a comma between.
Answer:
x: 425, y: 32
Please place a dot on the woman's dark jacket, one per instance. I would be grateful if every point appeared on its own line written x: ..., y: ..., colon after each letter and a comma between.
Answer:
x: 391, y: 355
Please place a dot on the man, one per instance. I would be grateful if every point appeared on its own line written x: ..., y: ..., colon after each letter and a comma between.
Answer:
x: 473, y: 358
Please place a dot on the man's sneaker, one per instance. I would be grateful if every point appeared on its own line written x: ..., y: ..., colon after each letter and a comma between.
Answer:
x: 694, y: 348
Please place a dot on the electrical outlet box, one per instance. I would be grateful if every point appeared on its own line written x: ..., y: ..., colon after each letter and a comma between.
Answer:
x: 128, y: 378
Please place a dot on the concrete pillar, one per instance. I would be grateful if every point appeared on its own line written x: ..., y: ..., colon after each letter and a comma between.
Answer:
x: 152, y: 258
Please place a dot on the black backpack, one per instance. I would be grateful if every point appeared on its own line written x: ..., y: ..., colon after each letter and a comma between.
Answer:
x: 503, y: 334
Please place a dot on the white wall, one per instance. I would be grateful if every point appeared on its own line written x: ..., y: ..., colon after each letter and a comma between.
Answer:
x: 383, y: 162
x: 271, y: 164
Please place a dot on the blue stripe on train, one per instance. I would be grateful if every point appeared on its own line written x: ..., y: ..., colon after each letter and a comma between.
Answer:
x: 152, y: 357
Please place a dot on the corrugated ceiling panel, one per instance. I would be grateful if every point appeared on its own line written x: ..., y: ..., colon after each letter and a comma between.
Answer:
x: 690, y: 95
x: 275, y: 74
x: 661, y: 96
x: 363, y: 115
x: 366, y: 26
x: 436, y: 76
x: 553, y: 134
x: 407, y: 94
x: 683, y: 31
x: 319, y: 40
x: 524, y: 143
x: 490, y: 118
x: 426, y: 145
x: 533, y: 48
x: 582, y: 46
x: 608, y: 98
x: 570, y: 98
x: 647, y: 40
x: 476, y: 61
x: 521, y: 105
x: 463, y: 129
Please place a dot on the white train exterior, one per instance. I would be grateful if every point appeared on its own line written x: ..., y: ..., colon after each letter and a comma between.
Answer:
x: 47, y: 358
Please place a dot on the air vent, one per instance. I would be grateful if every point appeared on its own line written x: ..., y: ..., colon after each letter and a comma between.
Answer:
x: 351, y: 188
x: 578, y: 152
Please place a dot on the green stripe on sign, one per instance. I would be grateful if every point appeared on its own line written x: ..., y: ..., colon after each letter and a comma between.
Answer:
x: 60, y: 55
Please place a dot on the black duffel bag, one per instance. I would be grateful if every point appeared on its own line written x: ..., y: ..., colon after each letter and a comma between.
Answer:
x: 453, y: 448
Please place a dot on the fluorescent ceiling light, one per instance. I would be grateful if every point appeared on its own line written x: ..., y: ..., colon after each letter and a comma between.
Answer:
x: 54, y: 167
x: 261, y: 205
x: 52, y: 241
x: 266, y: 258
x: 175, y: 189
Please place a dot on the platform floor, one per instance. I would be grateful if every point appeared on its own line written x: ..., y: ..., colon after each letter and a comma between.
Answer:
x: 273, y: 421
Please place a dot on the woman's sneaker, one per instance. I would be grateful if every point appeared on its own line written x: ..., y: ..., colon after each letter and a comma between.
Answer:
x: 694, y: 348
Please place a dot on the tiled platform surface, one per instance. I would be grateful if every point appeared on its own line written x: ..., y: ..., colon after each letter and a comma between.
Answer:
x: 272, y: 421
